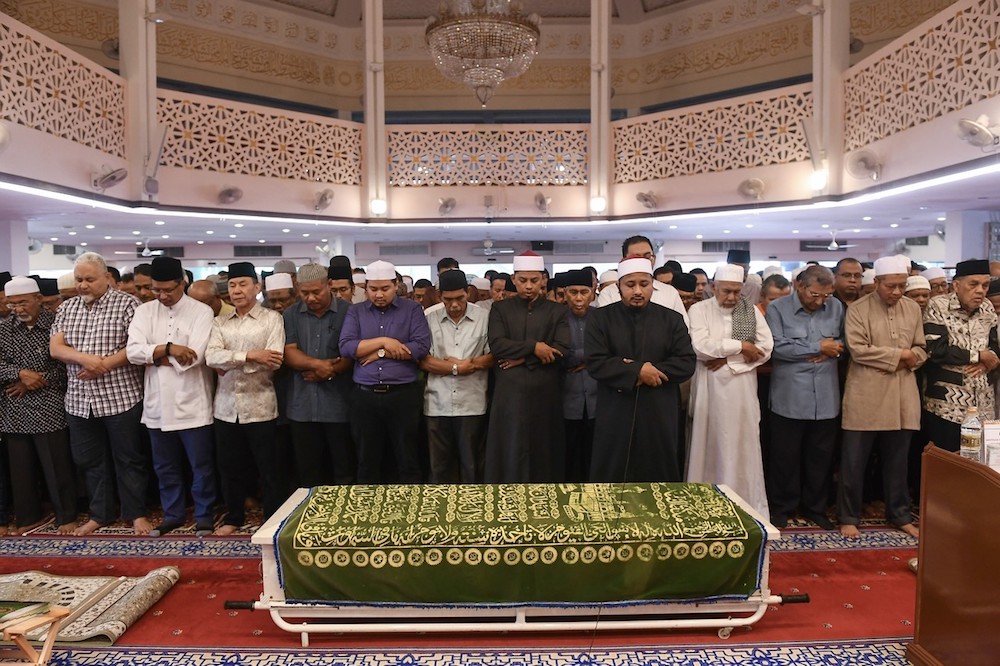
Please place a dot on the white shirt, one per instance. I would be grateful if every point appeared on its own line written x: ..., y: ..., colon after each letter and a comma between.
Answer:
x: 465, y: 395
x: 663, y: 294
x: 177, y: 397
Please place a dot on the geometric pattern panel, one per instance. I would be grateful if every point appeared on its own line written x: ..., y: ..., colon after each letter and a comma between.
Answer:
x: 952, y: 64
x: 54, y: 92
x: 208, y: 135
x: 682, y: 142
x: 540, y: 155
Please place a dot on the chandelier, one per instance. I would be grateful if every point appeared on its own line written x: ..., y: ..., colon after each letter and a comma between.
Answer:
x: 482, y: 43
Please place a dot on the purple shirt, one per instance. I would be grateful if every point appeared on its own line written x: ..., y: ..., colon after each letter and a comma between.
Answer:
x: 403, y: 320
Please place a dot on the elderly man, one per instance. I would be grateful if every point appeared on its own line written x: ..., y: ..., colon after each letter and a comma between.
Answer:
x: 579, y: 387
x: 867, y: 281
x: 168, y: 337
x: 885, y: 337
x: 686, y: 285
x: 67, y: 286
x: 663, y: 294
x: 246, y: 348
x: 280, y: 292
x: 49, y: 290
x: 320, y: 388
x: 103, y: 396
x: 805, y: 398
x: 961, y: 333
x: 457, y: 368
x: 919, y: 290
x: 639, y: 353
x: 937, y: 279
x: 497, y: 287
x: 847, y: 280
x: 387, y: 337
x: 529, y: 337
x: 32, y: 413
x: 731, y: 338
x: 206, y: 292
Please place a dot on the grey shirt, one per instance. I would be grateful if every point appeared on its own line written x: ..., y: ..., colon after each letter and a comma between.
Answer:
x: 319, y: 337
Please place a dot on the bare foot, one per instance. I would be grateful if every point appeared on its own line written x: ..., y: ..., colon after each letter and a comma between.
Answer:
x: 225, y: 530
x: 141, y: 526
x: 67, y: 528
x: 850, y: 531
x: 28, y: 528
x: 911, y: 529
x: 87, y: 528
x: 4, y: 531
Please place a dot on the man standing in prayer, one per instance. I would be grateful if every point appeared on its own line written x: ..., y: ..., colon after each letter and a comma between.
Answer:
x: 639, y: 353
x: 805, y: 398
x: 961, y: 333
x: 168, y: 336
x: 387, y: 337
x: 280, y: 292
x: 320, y: 387
x: 341, y: 284
x: 49, y: 289
x: 919, y: 290
x: 32, y: 411
x: 663, y: 294
x: 206, y: 292
x: 847, y: 280
x: 103, y: 396
x: 751, y: 281
x: 937, y: 280
x: 885, y: 337
x: 457, y: 368
x: 731, y: 338
x: 246, y: 348
x: 143, y: 280
x: 529, y: 337
x: 579, y: 387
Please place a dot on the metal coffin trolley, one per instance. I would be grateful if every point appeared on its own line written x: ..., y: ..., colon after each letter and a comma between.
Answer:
x: 518, y: 557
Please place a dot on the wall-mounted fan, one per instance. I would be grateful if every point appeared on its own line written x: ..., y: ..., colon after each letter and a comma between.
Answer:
x: 230, y: 195
x: 647, y: 199
x: 752, y: 188
x: 34, y: 246
x: 542, y: 202
x: 102, y: 180
x: 323, y: 200
x: 445, y: 206
x: 863, y: 165
x: 978, y: 132
x: 111, y: 48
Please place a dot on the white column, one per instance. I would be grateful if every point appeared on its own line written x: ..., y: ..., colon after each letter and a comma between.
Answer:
x: 831, y: 58
x: 137, y: 46
x: 966, y: 236
x: 14, y: 247
x: 376, y: 152
x: 600, y: 103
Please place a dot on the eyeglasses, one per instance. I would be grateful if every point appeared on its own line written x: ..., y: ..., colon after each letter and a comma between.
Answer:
x: 813, y: 295
x: 851, y: 276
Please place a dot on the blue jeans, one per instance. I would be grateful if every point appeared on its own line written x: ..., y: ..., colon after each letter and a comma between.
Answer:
x: 169, y: 452
x: 106, y: 448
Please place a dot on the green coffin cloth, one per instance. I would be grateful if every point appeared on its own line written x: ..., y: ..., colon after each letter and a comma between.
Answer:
x: 509, y: 544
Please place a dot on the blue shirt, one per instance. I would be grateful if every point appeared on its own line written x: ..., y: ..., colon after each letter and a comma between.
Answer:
x: 319, y: 337
x: 801, y: 389
x: 579, y: 388
x: 402, y: 320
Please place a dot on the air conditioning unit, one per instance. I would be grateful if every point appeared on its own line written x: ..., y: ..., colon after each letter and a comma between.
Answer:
x: 403, y: 249
x: 255, y: 251
x: 578, y: 247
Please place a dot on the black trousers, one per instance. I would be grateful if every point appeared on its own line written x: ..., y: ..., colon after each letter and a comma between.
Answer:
x: 324, y: 454
x: 800, y: 469
x: 944, y: 433
x: 238, y: 444
x: 457, y: 447
x: 383, y: 422
x: 893, y: 448
x: 579, y: 447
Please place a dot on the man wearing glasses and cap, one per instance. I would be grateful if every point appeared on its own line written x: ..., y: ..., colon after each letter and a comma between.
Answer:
x: 168, y: 337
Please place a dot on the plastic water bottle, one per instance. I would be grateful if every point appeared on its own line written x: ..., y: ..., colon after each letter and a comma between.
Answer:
x: 971, y: 447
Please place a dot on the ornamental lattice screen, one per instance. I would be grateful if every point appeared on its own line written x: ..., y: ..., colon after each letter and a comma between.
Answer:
x: 952, y: 64
x: 46, y: 88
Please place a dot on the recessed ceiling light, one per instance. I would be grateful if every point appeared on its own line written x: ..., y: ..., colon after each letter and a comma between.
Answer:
x: 209, y: 232
x: 323, y: 240
x: 305, y: 235
x: 726, y: 231
x: 72, y: 233
x: 136, y: 233
x: 138, y: 243
x: 159, y: 223
x: 893, y: 225
x: 232, y: 235
x: 825, y: 226
x: 857, y: 231
x: 942, y: 218
x: 867, y: 218
x: 165, y: 236
x: 285, y: 231
x: 238, y: 225
x: 673, y: 226
x: 699, y: 236
x: 54, y: 238
x: 261, y: 241
x: 88, y: 226
x: 107, y: 238
x: 83, y: 244
x: 923, y: 208
x: 749, y: 226
x: 201, y: 242
x: 795, y: 231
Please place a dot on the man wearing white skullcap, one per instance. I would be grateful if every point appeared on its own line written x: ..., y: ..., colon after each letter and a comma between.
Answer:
x: 867, y: 281
x: 639, y: 353
x: 67, y: 286
x: 919, y: 289
x: 280, y: 292
x: 607, y: 278
x: 529, y: 337
x: 359, y: 278
x: 731, y: 339
x: 938, y: 280
x: 885, y: 336
x: 663, y: 294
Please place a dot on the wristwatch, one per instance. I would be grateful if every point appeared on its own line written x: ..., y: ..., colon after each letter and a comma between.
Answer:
x: 454, y: 369
x: 381, y: 352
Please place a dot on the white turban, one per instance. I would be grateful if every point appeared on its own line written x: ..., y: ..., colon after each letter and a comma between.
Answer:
x: 359, y: 278
x: 895, y: 265
x: 480, y: 283
x: 529, y: 261
x: 634, y: 265
x: 729, y: 273
x: 772, y: 270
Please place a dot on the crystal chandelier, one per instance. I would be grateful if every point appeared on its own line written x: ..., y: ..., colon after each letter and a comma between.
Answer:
x: 482, y: 43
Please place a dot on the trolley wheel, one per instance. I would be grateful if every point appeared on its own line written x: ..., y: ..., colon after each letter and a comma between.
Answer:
x: 725, y: 632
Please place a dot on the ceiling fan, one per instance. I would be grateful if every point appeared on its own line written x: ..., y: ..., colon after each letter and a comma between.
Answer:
x: 144, y: 252
x: 834, y: 245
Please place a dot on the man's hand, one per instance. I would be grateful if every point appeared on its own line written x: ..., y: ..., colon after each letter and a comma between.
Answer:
x: 322, y: 370
x: 751, y: 352
x: 395, y: 349
x: 650, y: 375
x: 32, y: 380
x: 16, y: 390
x: 830, y: 348
x: 989, y: 358
x: 184, y: 355
x: 907, y: 360
x: 508, y: 363
x: 714, y: 364
x: 976, y: 369
x: 266, y: 357
x: 93, y: 367
x: 545, y: 353
x: 577, y: 368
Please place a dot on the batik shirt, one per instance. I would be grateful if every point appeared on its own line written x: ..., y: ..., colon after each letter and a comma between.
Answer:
x: 23, y: 348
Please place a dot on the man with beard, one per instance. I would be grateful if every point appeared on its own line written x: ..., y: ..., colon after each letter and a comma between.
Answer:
x: 529, y: 337
x: 937, y: 279
x: 847, y: 275
x: 639, y: 352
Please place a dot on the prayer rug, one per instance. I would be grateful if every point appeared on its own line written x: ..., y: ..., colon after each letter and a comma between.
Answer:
x: 101, y: 607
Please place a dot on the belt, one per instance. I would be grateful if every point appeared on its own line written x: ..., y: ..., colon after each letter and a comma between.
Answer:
x: 384, y: 388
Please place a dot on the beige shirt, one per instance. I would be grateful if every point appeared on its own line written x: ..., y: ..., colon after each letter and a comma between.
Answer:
x: 877, y: 396
x: 465, y: 395
x: 246, y: 391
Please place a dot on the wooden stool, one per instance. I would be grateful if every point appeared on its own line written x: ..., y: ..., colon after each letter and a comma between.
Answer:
x: 26, y: 654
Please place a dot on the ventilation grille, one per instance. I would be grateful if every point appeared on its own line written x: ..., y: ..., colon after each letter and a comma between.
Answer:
x: 716, y: 247
x: 257, y: 251
x: 64, y: 249
x: 917, y: 240
x: 402, y: 249
x: 578, y: 247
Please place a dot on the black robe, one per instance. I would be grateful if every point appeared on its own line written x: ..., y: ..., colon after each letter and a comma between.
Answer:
x: 636, y: 427
x: 526, y: 439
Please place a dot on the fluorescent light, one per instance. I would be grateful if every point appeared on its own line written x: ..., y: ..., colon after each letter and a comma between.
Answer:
x: 91, y: 226
x: 159, y: 223
x: 598, y: 205
x: 201, y: 242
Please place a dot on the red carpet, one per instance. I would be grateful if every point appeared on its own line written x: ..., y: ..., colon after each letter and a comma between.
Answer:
x: 856, y: 594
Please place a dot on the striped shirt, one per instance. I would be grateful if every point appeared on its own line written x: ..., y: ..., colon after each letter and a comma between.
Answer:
x: 100, y: 329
